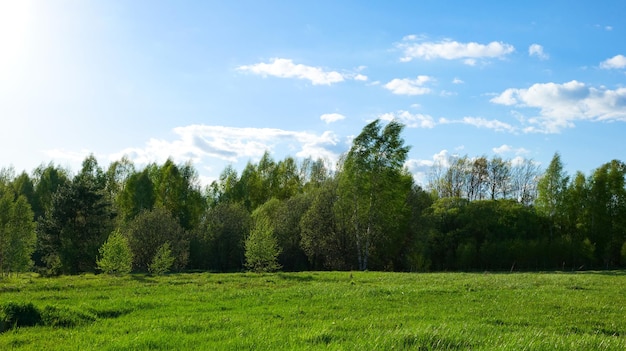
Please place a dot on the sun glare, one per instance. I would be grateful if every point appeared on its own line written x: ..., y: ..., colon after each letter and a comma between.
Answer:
x: 15, y: 21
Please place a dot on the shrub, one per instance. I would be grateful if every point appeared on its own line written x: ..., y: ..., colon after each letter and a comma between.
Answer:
x: 116, y: 256
x: 14, y: 315
x: 162, y: 260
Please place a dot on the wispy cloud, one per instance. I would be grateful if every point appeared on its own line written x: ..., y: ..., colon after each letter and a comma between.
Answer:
x: 560, y: 105
x: 420, y: 168
x: 200, y: 142
x: 411, y: 120
x: 615, y: 62
x: 537, y: 51
x: 506, y: 149
x: 407, y: 86
x: 285, y: 68
x: 457, y: 81
x: 414, y: 47
x: 494, y: 124
x: 332, y: 117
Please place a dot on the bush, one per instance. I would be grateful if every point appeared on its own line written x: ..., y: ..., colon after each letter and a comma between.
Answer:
x: 162, y: 260
x: 15, y: 315
x: 116, y: 256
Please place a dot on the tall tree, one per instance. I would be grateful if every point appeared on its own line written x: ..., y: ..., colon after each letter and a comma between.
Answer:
x: 607, y: 195
x: 551, y: 193
x: 136, y: 195
x: 218, y: 243
x: 261, y: 245
x: 17, y: 232
x: 79, y: 221
x: 371, y: 186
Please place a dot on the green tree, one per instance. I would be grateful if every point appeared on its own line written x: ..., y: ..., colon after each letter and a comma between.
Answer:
x: 136, y: 195
x: 551, y: 190
x: 162, y: 261
x: 607, y: 211
x: 149, y: 230
x: 327, y: 243
x: 218, y: 243
x: 261, y: 246
x: 373, y: 187
x: 116, y: 256
x: 17, y: 233
x: 78, y: 221
x: 177, y: 189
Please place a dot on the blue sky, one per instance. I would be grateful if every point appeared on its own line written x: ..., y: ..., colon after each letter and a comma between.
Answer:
x: 220, y: 82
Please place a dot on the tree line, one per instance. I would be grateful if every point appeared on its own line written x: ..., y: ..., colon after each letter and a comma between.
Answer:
x: 367, y: 212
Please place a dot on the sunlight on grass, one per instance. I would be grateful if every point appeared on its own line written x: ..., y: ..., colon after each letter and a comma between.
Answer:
x: 333, y: 310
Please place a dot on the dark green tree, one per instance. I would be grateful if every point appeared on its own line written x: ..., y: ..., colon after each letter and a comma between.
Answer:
x: 149, y: 230
x: 78, y: 221
x: 218, y: 243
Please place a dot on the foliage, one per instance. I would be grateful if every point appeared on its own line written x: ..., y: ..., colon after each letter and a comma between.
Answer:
x: 149, y: 230
x: 261, y: 245
x: 79, y: 220
x: 162, y: 261
x: 372, y: 188
x: 218, y: 243
x: 17, y: 233
x: 116, y: 256
x: 366, y: 212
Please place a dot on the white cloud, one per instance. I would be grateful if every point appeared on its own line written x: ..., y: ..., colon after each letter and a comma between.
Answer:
x: 446, y: 93
x: 408, y: 86
x: 198, y: 142
x: 560, y: 105
x: 332, y: 117
x: 505, y: 149
x: 457, y: 81
x: 502, y: 149
x: 494, y: 124
x: 420, y: 168
x: 615, y: 62
x: 452, y: 50
x: 537, y: 50
x: 417, y: 120
x: 285, y: 68
x: 360, y: 77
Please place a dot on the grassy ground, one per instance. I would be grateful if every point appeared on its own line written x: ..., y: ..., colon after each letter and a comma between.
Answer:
x: 331, y: 311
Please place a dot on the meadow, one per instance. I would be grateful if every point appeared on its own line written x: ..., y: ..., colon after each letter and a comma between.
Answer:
x: 320, y: 310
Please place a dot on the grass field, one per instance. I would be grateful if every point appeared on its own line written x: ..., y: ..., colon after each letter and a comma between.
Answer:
x: 330, y: 311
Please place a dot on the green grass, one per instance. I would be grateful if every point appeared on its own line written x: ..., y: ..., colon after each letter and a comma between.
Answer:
x: 329, y: 311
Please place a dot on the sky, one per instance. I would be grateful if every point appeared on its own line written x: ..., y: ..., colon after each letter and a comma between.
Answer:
x: 218, y: 83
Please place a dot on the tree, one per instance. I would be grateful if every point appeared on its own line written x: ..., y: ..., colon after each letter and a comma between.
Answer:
x: 149, y: 230
x: 551, y: 193
x: 177, y: 190
x: 17, y: 233
x: 116, y: 256
x: 326, y: 243
x: 78, y: 221
x: 261, y: 245
x: 136, y: 195
x: 607, y: 210
x: 218, y: 242
x: 162, y: 261
x: 373, y: 187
